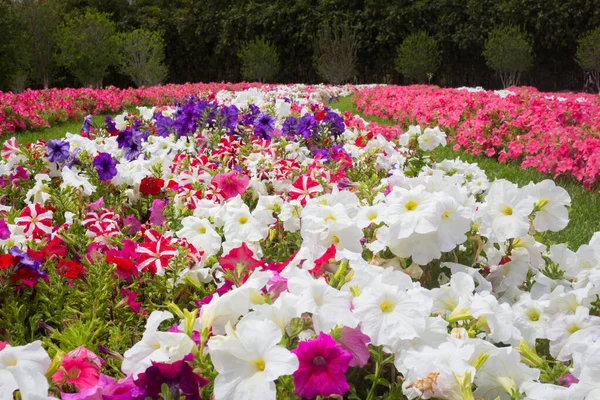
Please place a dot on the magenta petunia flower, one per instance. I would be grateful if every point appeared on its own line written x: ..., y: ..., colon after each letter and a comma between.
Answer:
x: 231, y: 184
x: 323, y: 365
x: 157, y: 212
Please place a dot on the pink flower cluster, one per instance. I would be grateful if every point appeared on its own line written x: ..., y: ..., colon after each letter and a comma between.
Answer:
x: 556, y: 133
x: 34, y: 109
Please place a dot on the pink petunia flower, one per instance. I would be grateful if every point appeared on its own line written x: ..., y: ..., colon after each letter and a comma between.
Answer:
x: 323, y: 364
x: 79, y: 370
x: 231, y: 184
x: 356, y: 343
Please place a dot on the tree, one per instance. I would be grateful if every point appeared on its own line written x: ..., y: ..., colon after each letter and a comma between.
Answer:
x: 508, y: 52
x: 335, y: 48
x: 259, y: 59
x: 87, y: 46
x: 418, y: 57
x: 588, y: 54
x: 141, y: 57
x: 13, y: 55
x: 41, y: 19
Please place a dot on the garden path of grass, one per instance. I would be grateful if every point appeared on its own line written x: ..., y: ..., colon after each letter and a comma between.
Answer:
x: 584, y: 215
x: 54, y: 132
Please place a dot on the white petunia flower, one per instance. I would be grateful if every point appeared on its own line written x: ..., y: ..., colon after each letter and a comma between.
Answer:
x: 249, y: 363
x: 157, y: 346
x: 22, y: 368
x: 502, y: 375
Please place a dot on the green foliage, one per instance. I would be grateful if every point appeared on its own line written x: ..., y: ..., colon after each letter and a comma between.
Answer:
x: 588, y: 53
x: 41, y: 22
x: 13, y: 48
x: 508, y: 52
x: 87, y: 45
x: 142, y: 56
x: 418, y: 57
x: 335, y: 48
x: 259, y: 60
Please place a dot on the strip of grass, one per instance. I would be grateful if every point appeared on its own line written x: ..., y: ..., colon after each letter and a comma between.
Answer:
x: 585, y: 205
x: 55, y: 132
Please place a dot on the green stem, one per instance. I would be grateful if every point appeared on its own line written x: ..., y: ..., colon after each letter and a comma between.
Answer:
x: 371, y: 395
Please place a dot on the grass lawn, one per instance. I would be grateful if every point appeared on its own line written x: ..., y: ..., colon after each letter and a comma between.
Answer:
x: 584, y: 214
x: 54, y: 132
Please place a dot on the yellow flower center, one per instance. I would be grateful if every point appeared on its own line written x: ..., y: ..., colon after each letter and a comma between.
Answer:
x: 386, y: 306
x: 371, y: 216
x: 259, y: 364
x: 202, y: 230
x: 507, y: 210
x: 335, y: 239
x: 533, y: 315
x: 410, y: 205
x: 446, y: 214
x: 243, y: 219
x: 11, y: 361
x: 573, y: 328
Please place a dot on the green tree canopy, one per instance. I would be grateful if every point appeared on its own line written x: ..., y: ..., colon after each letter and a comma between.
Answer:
x: 508, y: 52
x: 259, y: 60
x: 418, y: 57
x: 335, y: 48
x: 141, y: 57
x: 88, y: 46
x: 588, y: 54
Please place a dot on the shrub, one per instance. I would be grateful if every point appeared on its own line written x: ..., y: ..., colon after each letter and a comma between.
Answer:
x: 141, y: 57
x: 335, y: 48
x: 588, y: 54
x: 259, y: 59
x: 87, y: 45
x: 418, y: 57
x: 508, y: 52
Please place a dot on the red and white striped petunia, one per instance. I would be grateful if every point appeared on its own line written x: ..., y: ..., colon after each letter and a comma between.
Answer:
x: 35, y: 220
x: 155, y: 256
x: 11, y: 147
x: 304, y: 188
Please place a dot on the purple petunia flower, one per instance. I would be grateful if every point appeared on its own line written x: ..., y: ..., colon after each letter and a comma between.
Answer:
x: 164, y: 125
x: 57, y: 150
x: 26, y: 262
x: 110, y: 125
x: 124, y: 138
x: 289, y: 126
x: 106, y: 166
x: 264, y: 124
x: 229, y: 117
x: 336, y: 123
x: 307, y: 126
x: 87, y: 124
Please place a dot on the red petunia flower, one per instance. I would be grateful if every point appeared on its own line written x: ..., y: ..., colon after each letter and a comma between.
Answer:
x: 240, y: 260
x: 70, y: 269
x: 151, y: 186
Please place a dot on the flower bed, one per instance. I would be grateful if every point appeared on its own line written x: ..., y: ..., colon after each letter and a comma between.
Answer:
x: 556, y: 133
x: 259, y: 245
x: 34, y: 109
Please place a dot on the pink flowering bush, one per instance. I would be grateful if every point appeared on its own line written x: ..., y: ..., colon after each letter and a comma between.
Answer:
x: 555, y: 133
